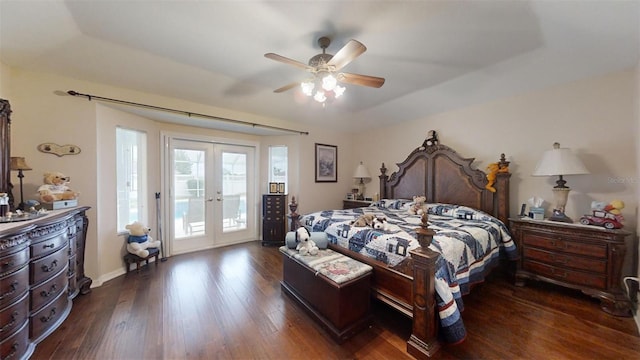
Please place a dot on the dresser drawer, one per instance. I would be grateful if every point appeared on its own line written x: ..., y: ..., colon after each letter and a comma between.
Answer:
x: 50, y: 244
x: 567, y: 276
x: 14, y: 261
x: 13, y: 286
x: 73, y: 243
x: 13, y: 317
x: 50, y: 315
x: 15, y: 346
x: 561, y: 259
x: 548, y: 242
x: 44, y: 293
x: 48, y: 266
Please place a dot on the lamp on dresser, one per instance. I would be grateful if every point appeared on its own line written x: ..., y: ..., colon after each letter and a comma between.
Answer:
x: 20, y: 165
x: 559, y: 162
x: 361, y: 173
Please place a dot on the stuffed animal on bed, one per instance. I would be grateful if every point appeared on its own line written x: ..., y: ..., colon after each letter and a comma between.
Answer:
x: 305, y: 246
x: 380, y: 223
x: 363, y: 220
x: 419, y: 205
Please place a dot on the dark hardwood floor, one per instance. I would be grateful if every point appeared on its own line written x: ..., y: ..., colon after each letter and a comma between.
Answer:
x: 226, y: 303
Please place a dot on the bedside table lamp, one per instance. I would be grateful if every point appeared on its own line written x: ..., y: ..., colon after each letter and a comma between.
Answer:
x: 18, y: 164
x: 361, y: 173
x: 559, y: 162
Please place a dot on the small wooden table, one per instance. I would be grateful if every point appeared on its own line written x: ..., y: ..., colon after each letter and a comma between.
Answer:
x: 132, y: 258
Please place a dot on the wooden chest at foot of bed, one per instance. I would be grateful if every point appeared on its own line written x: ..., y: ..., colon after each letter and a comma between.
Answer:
x: 334, y: 289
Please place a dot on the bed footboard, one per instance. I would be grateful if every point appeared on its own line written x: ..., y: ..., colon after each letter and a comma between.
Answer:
x: 424, y: 336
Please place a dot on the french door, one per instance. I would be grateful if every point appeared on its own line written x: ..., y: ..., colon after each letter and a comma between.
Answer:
x: 212, y: 195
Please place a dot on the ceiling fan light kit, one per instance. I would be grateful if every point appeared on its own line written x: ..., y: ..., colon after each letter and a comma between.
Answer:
x: 324, y: 68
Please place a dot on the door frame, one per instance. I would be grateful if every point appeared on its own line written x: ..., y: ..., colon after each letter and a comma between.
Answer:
x: 165, y: 181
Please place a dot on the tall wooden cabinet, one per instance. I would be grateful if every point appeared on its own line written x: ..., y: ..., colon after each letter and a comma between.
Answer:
x: 5, y: 149
x: 41, y: 272
x: 274, y: 219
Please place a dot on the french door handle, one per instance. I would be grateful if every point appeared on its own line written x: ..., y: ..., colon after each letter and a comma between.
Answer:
x: 210, y: 199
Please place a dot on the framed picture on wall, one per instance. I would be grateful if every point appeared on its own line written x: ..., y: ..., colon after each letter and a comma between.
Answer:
x: 326, y: 163
x: 281, y: 188
x: 273, y: 188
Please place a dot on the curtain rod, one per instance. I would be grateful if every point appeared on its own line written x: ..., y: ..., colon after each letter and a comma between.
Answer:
x: 189, y: 114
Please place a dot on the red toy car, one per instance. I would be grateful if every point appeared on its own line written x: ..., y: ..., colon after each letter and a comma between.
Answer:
x: 602, y: 218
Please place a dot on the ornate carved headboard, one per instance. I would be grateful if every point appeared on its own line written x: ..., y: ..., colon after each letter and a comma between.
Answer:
x: 442, y: 175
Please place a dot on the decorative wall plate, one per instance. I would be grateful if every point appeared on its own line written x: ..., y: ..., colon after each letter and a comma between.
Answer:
x: 59, y: 150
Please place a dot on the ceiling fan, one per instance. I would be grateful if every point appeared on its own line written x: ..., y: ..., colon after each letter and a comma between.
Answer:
x: 325, y: 68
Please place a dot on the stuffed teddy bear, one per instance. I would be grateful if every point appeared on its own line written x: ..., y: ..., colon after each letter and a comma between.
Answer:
x: 363, y: 220
x: 419, y: 206
x: 492, y: 172
x: 380, y: 223
x: 55, y: 188
x: 305, y: 246
x: 139, y: 240
x: 614, y: 207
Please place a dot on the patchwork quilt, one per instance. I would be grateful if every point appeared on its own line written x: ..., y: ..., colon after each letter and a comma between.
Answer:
x: 469, y: 241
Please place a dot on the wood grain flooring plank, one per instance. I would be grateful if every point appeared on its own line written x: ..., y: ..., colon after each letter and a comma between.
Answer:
x: 226, y: 303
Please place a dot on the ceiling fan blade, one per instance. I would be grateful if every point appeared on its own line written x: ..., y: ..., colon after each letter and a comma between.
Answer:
x: 286, y: 87
x: 286, y: 60
x: 362, y: 80
x: 347, y: 54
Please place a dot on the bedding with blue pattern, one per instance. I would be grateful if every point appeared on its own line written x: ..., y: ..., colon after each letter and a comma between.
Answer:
x: 468, y: 240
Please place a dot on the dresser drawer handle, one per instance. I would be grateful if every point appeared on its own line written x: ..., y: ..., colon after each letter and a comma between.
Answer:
x: 14, y: 287
x: 52, y: 290
x: 14, y: 350
x: 8, y: 264
x: 54, y: 264
x: 51, y: 316
x: 561, y: 245
x: 558, y: 274
x: 49, y: 246
x: 14, y: 318
x: 559, y: 259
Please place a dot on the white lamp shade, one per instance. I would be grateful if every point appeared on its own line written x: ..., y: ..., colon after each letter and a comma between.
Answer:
x: 361, y: 172
x: 559, y: 161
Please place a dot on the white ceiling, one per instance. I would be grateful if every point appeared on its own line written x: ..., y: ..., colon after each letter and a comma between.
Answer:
x: 435, y: 55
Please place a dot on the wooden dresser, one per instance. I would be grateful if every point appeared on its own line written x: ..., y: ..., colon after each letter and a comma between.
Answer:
x: 274, y: 219
x: 41, y: 271
x: 587, y: 258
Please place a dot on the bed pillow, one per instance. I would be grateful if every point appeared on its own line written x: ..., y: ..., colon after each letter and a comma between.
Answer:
x: 456, y: 211
x: 321, y: 239
x: 395, y: 204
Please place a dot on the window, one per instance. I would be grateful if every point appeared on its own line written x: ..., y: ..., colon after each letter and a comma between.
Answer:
x: 131, y: 174
x: 278, y: 160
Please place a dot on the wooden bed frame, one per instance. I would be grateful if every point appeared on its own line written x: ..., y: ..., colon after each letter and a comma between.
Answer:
x: 442, y: 175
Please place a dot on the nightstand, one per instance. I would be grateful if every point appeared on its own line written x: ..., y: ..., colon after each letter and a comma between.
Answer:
x: 582, y: 257
x: 352, y: 204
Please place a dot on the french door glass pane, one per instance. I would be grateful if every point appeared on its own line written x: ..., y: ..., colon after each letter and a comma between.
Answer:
x: 234, y: 191
x: 189, y: 192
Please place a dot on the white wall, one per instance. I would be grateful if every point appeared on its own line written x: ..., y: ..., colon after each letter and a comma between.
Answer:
x: 5, y: 72
x: 42, y: 113
x: 310, y: 195
x: 595, y: 117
